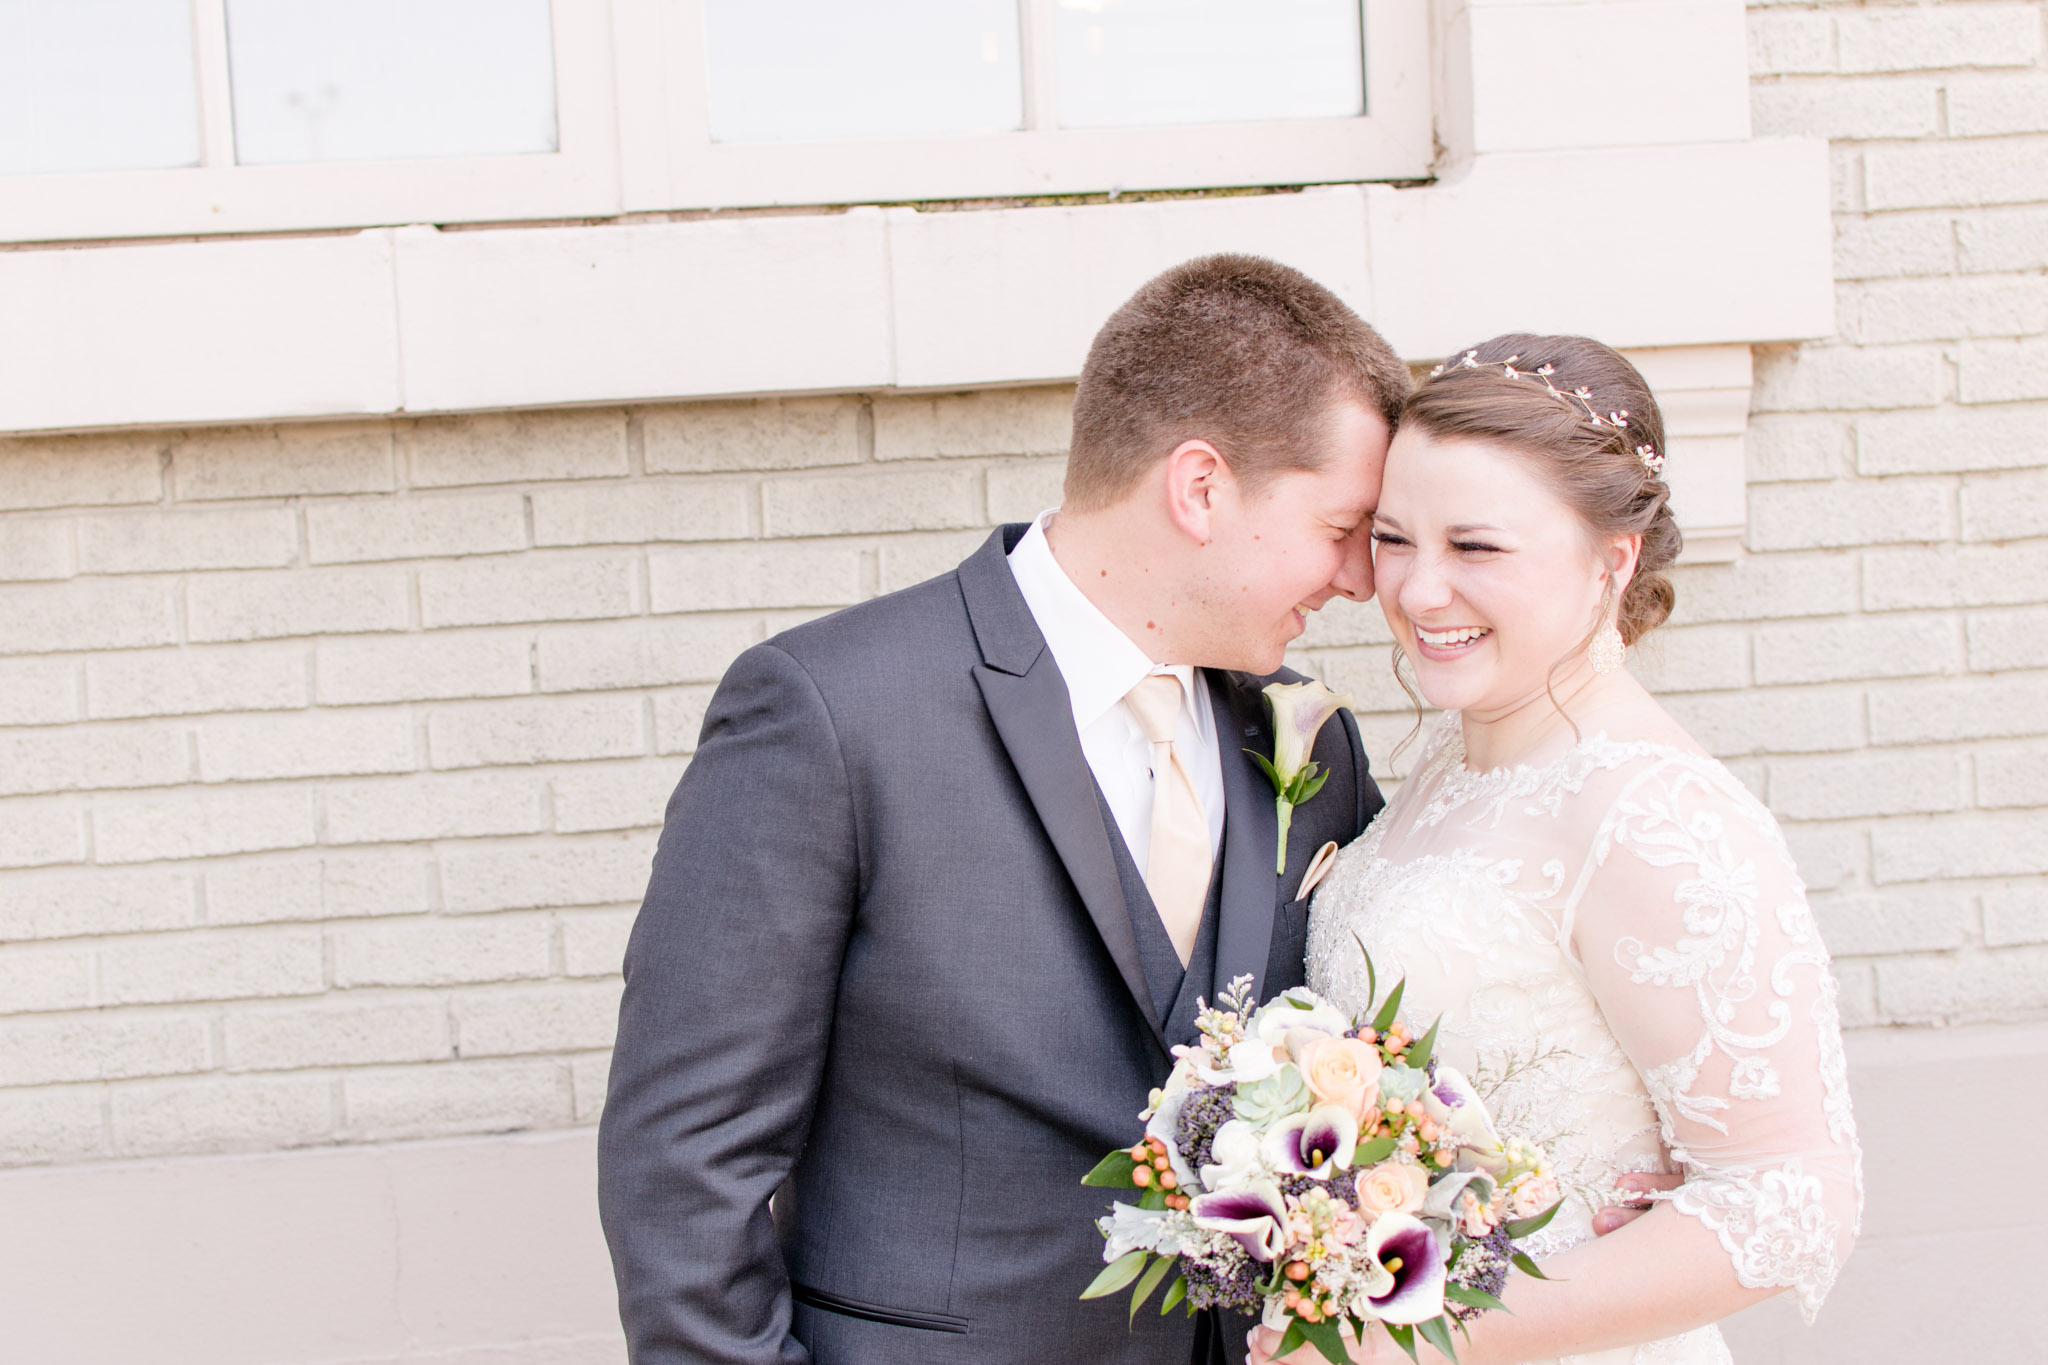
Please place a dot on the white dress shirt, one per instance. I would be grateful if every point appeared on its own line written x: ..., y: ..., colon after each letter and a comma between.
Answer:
x: 1101, y: 664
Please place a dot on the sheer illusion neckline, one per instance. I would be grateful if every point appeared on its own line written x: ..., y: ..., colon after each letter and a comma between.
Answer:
x: 1445, y: 784
x: 1456, y: 769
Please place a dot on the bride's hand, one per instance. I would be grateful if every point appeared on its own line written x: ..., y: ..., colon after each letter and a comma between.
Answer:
x: 1617, y: 1216
x: 1264, y: 1340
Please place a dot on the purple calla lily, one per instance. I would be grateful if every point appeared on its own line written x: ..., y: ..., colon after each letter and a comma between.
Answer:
x: 1317, y: 1143
x: 1254, y: 1214
x: 1414, y: 1258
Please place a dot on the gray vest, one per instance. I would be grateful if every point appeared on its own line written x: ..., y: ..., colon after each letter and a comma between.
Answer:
x: 1176, y: 991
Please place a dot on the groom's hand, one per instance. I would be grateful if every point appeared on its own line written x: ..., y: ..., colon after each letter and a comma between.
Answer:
x: 1616, y: 1216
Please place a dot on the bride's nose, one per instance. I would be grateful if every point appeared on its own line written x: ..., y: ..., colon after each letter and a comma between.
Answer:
x: 1425, y: 587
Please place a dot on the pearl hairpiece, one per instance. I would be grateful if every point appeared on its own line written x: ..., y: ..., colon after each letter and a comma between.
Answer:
x: 1581, y: 397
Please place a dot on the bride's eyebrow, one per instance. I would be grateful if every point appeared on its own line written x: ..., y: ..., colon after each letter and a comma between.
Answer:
x: 1466, y: 527
x: 1383, y: 519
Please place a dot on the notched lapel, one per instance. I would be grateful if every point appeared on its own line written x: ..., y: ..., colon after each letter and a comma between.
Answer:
x: 1027, y: 700
x: 1251, y: 888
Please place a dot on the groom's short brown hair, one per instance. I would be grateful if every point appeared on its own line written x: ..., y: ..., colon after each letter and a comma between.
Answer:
x: 1242, y: 352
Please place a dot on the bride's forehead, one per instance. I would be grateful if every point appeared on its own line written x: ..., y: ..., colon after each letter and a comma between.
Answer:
x: 1466, y: 480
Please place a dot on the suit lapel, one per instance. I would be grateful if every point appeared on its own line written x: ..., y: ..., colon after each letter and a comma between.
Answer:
x: 1027, y: 701
x: 1251, y: 829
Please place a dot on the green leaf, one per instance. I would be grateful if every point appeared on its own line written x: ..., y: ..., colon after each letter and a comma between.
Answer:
x: 1389, y: 1011
x: 1153, y: 1199
x: 1372, y: 978
x: 1117, y: 1274
x: 1291, y: 1340
x: 1175, y: 1292
x: 1372, y: 1150
x: 1113, y: 1171
x: 1528, y: 1267
x: 1309, y: 783
x: 1404, y: 1337
x: 1418, y: 1055
x: 1473, y: 1298
x: 1149, y: 1283
x: 1522, y: 1227
x: 1272, y: 773
x: 1327, y: 1338
x: 1436, y: 1334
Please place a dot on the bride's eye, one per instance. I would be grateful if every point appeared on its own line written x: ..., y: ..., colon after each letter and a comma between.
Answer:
x: 1388, y: 538
x: 1474, y: 547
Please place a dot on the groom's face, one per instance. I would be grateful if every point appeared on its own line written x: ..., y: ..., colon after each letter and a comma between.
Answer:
x: 1285, y: 550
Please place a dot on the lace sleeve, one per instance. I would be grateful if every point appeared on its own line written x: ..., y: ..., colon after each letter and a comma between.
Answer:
x: 1696, y: 938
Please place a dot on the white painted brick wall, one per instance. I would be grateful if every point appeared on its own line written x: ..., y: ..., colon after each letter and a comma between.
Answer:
x: 332, y: 755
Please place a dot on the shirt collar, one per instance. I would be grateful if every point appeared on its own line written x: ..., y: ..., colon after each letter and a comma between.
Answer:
x: 1099, y: 662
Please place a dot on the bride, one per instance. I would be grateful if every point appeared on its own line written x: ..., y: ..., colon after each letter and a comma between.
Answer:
x: 1608, y: 922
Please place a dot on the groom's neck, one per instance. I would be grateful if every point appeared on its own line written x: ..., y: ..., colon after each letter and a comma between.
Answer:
x: 1126, y: 565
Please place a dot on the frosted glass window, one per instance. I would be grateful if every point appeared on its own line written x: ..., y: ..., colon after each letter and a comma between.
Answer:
x: 377, y: 80
x: 96, y: 85
x: 1138, y: 63
x: 813, y: 70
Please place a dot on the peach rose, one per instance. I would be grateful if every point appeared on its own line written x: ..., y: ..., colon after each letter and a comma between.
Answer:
x: 1342, y: 1071
x: 1392, y: 1187
x: 1532, y: 1196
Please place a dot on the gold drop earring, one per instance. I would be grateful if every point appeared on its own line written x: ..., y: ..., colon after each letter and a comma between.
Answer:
x: 1608, y: 649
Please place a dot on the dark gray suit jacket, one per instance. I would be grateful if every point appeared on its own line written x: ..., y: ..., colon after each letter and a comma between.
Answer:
x: 885, y: 954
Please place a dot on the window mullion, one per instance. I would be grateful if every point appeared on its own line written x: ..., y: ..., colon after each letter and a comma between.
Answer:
x: 216, y: 102
x: 1035, y: 47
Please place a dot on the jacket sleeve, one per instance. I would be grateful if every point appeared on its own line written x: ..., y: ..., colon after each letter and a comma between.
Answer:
x: 730, y: 977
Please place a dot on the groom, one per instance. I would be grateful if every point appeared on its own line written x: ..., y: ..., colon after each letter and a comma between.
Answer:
x: 950, y: 870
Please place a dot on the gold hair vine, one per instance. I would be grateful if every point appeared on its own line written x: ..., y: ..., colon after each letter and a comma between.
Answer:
x: 1581, y: 396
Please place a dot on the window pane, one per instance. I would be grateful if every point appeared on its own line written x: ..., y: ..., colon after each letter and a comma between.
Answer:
x: 825, y: 69
x: 1131, y: 63
x: 96, y: 85
x: 375, y: 80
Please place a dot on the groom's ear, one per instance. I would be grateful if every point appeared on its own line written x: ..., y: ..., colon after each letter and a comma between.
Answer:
x: 1197, y: 480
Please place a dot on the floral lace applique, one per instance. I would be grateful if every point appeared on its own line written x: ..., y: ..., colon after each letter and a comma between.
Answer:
x: 1674, y: 883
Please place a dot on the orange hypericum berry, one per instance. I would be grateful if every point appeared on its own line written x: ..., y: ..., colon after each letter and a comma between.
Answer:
x: 1415, y: 1110
x: 1292, y: 1298
x: 1167, y: 1180
x: 1142, y: 1176
x: 1297, y: 1271
x: 1368, y: 1035
x: 1309, y: 1312
x: 1158, y: 1147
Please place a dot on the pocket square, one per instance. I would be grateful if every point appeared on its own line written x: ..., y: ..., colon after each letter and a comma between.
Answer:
x: 1318, y: 868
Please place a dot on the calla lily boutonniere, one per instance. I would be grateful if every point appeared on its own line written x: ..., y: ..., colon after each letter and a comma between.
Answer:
x: 1299, y: 710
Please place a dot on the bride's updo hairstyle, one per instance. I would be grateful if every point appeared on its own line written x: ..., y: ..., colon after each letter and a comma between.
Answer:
x: 1586, y: 422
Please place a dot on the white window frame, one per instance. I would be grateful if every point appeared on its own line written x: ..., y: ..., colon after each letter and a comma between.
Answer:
x: 579, y: 179
x: 634, y: 137
x: 1392, y: 141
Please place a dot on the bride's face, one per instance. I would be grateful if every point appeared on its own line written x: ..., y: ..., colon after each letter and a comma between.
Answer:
x: 1487, y: 578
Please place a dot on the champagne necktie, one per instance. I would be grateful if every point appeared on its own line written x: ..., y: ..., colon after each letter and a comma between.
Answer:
x: 1178, y: 863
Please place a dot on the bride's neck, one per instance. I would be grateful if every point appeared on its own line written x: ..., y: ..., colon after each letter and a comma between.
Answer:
x: 1539, y: 725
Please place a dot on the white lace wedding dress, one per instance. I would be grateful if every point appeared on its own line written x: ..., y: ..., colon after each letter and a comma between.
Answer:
x: 1624, y: 961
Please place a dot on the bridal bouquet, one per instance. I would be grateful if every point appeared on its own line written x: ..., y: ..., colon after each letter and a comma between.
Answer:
x: 1314, y: 1171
